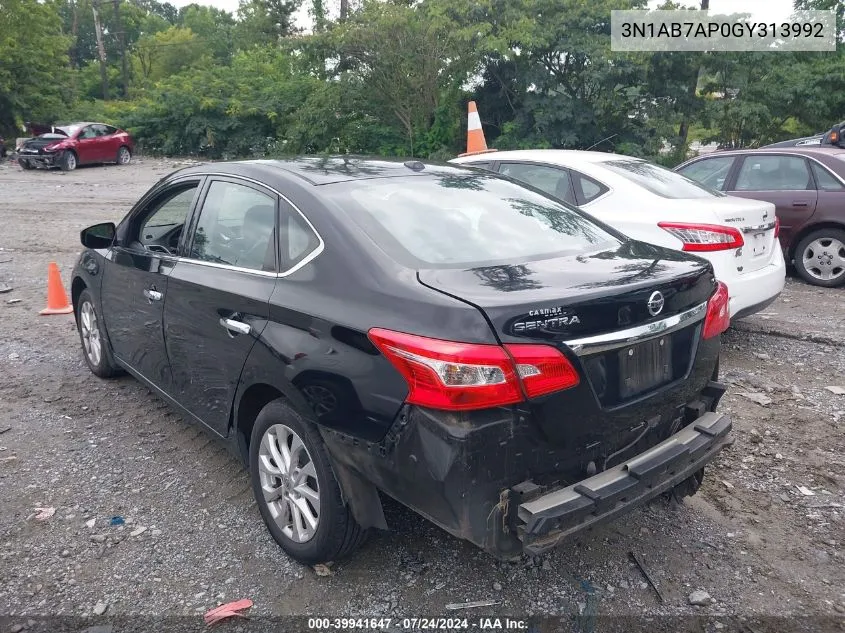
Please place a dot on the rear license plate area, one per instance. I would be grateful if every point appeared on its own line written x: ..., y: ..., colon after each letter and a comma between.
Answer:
x: 645, y: 366
x: 759, y: 243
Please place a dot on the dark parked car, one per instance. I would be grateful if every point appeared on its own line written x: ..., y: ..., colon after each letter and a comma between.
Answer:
x: 67, y: 146
x: 814, y: 140
x: 495, y: 360
x: 807, y: 187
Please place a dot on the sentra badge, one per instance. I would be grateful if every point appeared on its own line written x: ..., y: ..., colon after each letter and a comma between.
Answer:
x: 546, y: 319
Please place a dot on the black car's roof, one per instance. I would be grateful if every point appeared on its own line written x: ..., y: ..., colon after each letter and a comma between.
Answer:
x: 324, y: 170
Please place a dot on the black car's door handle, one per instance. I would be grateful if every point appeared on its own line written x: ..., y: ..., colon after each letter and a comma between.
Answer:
x: 236, y: 327
x: 799, y: 203
x: 152, y: 295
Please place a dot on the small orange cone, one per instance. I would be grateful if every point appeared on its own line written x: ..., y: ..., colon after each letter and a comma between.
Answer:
x: 57, y: 302
x: 476, y: 144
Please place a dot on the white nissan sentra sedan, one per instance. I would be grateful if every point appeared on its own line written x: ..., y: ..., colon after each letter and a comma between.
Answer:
x: 652, y: 204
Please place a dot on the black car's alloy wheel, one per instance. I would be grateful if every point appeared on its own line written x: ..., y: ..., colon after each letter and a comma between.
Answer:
x: 25, y: 164
x: 297, y: 493
x: 95, y: 346
x: 820, y: 258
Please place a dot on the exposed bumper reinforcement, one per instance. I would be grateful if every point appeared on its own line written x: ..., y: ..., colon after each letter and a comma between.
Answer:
x: 545, y: 520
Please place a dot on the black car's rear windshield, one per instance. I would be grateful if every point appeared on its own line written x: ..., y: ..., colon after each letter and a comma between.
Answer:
x: 463, y: 220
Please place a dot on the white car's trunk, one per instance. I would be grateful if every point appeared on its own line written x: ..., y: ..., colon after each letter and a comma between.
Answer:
x: 753, y: 218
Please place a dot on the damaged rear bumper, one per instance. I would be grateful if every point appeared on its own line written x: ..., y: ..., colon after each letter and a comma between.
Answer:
x: 543, y: 521
x: 493, y: 478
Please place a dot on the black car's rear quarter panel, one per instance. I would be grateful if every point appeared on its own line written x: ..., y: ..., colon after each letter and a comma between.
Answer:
x: 316, y: 335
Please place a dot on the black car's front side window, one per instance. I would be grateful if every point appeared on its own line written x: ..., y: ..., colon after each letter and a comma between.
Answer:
x: 466, y: 220
x: 236, y: 227
x: 161, y: 223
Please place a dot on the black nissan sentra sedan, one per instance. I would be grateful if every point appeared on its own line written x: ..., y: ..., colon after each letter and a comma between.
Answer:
x: 499, y: 362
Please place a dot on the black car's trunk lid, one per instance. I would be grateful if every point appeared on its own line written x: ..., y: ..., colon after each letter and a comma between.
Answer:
x: 561, y: 300
x: 582, y: 295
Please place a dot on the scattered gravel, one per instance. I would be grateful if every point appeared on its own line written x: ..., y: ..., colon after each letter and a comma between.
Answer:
x: 700, y: 598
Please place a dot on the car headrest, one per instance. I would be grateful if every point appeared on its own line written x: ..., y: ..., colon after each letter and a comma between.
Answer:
x: 262, y: 214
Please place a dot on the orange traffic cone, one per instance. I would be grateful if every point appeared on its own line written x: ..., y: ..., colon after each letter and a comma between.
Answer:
x: 57, y: 302
x: 476, y: 144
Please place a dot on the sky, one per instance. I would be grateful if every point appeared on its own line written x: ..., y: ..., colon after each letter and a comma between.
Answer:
x: 766, y: 10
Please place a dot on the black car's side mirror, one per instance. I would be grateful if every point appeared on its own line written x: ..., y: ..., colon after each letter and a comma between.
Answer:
x: 99, y: 235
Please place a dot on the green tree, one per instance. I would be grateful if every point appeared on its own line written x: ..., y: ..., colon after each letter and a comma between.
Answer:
x: 406, y: 73
x: 166, y: 53
x: 550, y: 61
x: 33, y: 62
x: 213, y: 28
x: 265, y: 22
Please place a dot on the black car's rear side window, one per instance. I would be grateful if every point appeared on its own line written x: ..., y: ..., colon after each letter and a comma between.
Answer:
x: 465, y: 220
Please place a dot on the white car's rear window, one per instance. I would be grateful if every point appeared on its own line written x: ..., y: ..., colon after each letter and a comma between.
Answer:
x: 660, y: 181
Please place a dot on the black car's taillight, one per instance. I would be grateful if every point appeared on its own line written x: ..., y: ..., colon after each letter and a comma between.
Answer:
x: 461, y: 376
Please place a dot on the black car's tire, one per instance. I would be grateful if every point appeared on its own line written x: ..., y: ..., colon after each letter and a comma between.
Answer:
x: 820, y: 258
x: 124, y: 156
x: 95, y: 344
x: 336, y: 533
x: 25, y: 164
x: 68, y: 161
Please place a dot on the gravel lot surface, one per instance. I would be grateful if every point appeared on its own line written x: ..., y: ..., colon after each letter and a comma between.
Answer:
x: 764, y: 537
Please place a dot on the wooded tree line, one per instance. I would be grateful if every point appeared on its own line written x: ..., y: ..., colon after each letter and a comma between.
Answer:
x: 393, y: 77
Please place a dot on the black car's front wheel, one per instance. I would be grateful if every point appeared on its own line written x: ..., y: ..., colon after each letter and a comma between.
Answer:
x: 95, y: 346
x: 297, y: 493
x: 25, y: 164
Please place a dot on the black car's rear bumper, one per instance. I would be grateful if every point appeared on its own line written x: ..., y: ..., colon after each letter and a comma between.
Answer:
x: 493, y: 479
x: 544, y: 521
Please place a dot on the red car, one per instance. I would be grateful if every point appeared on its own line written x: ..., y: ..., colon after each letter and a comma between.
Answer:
x: 67, y: 146
x: 807, y: 187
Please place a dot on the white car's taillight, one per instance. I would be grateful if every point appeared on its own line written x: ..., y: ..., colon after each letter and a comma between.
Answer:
x: 718, y: 317
x: 704, y: 237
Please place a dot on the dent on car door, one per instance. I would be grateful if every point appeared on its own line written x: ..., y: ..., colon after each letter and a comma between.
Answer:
x: 783, y: 180
x: 218, y: 293
x: 311, y: 351
x: 135, y: 280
